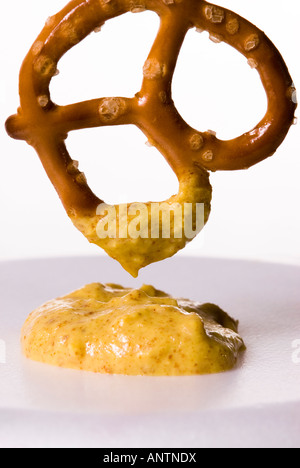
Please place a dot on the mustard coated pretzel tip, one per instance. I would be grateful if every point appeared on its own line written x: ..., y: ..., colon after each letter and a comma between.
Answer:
x: 190, y: 153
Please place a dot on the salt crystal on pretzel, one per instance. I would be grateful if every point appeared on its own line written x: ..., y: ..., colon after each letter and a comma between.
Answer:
x: 191, y: 154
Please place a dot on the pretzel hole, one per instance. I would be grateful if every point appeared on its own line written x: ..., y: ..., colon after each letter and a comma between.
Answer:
x: 120, y: 167
x: 216, y: 82
x: 109, y: 63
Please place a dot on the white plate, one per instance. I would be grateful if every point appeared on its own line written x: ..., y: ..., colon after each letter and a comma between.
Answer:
x: 256, y: 405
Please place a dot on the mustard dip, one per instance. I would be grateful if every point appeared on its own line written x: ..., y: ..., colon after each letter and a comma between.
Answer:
x: 134, y: 253
x: 113, y: 330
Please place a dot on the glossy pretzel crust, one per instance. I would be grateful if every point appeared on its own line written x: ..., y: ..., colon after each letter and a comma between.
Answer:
x: 45, y: 125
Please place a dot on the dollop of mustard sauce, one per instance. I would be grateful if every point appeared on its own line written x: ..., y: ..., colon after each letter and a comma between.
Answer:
x: 134, y: 253
x: 114, y: 330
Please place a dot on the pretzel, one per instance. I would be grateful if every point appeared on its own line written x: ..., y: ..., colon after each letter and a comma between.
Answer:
x: 190, y: 153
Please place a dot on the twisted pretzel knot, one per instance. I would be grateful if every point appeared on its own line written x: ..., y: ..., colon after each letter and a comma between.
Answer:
x: 190, y: 153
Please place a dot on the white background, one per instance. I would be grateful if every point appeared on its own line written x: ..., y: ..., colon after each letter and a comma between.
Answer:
x: 255, y: 213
